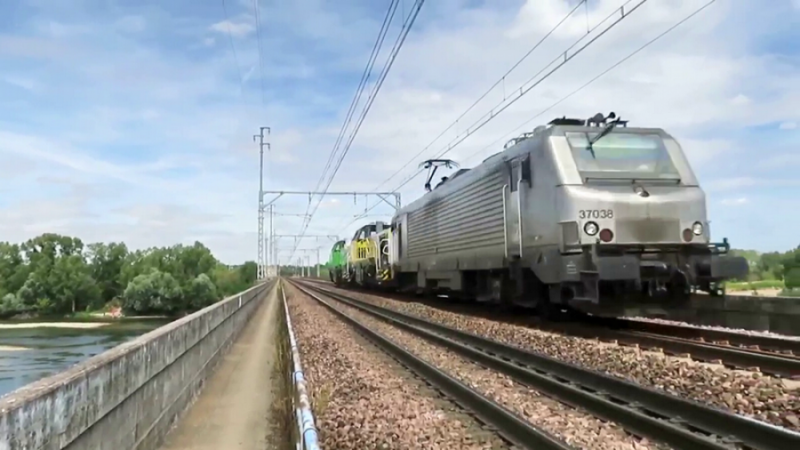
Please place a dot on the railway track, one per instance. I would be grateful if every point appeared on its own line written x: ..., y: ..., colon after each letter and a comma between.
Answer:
x: 642, y: 411
x: 508, y: 425
x: 770, y: 355
x: 753, y: 341
x: 714, y: 346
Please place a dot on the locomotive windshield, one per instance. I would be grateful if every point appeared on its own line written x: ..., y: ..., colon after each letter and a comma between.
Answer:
x: 622, y: 155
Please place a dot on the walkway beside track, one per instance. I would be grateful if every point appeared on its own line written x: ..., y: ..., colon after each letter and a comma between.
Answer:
x: 234, y: 410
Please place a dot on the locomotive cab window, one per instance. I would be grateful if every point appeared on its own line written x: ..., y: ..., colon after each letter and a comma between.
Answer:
x: 622, y: 155
x: 520, y: 169
x: 527, y: 174
x: 514, y: 176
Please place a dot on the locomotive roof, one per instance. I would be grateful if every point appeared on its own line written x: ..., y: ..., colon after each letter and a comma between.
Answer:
x: 561, y: 129
x: 557, y: 127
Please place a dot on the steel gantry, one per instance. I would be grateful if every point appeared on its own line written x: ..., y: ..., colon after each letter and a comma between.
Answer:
x: 305, y: 252
x: 381, y: 195
x: 384, y: 196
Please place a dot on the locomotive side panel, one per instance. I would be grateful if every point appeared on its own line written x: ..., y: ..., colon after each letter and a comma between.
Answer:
x: 542, y: 230
x: 462, y: 229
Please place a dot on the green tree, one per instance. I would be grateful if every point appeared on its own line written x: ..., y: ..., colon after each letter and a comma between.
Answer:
x: 107, y: 262
x: 154, y: 292
x: 13, y: 270
x: 248, y: 272
x: 202, y: 292
x: 791, y: 269
x: 56, y: 274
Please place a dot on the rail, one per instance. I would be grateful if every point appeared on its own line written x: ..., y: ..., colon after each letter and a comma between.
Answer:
x: 514, y: 429
x: 304, y: 417
x: 637, y: 408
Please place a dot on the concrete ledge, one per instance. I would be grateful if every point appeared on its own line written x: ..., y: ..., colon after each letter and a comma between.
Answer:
x: 749, y: 312
x: 127, y: 397
x: 749, y: 303
x: 776, y: 314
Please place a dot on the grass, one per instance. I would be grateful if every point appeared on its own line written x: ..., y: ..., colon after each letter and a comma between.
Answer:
x: 754, y: 285
x: 321, y: 400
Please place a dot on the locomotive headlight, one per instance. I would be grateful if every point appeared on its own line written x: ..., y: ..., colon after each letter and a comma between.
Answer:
x: 591, y: 228
x: 697, y: 228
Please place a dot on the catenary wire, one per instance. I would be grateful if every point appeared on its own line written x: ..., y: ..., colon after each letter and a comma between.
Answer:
x: 597, y: 77
x: 409, y: 23
x: 488, y: 91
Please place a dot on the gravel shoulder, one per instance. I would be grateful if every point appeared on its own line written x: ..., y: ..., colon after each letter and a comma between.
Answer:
x: 747, y: 393
x: 362, y: 398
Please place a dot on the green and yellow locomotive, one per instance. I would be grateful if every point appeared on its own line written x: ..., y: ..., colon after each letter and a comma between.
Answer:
x: 366, y: 260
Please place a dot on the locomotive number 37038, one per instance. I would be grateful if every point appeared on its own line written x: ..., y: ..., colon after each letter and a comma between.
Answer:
x: 596, y: 214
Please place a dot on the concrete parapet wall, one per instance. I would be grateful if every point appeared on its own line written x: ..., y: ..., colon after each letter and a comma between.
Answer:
x: 749, y: 303
x: 127, y: 397
x: 777, y: 314
x: 749, y: 312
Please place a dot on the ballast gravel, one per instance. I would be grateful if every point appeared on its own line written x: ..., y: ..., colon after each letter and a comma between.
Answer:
x: 750, y: 394
x: 361, y: 398
x: 576, y: 428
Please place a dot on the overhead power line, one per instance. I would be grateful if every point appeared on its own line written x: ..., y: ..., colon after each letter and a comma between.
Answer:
x: 406, y: 28
x: 387, y: 20
x: 597, y: 77
x: 501, y: 80
x: 560, y: 61
x: 360, y: 89
x: 261, y: 71
x: 233, y: 48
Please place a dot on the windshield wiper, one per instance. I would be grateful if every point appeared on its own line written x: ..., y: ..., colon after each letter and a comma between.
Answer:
x: 600, y: 119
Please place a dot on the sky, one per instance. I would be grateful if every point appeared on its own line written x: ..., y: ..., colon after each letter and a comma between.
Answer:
x: 134, y: 120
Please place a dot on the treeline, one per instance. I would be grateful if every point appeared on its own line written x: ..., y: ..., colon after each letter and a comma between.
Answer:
x: 778, y: 269
x: 53, y: 275
x: 288, y: 271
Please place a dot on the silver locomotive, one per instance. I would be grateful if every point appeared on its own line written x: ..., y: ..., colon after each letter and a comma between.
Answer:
x: 579, y: 214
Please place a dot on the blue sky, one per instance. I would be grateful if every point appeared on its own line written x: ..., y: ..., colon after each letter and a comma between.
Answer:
x: 133, y: 120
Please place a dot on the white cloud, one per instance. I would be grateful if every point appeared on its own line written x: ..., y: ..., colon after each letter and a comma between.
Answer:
x: 788, y: 125
x: 239, y: 29
x: 734, y: 201
x: 146, y: 135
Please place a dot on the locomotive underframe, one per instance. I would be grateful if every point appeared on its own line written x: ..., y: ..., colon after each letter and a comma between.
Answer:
x: 610, y: 277
x: 600, y: 279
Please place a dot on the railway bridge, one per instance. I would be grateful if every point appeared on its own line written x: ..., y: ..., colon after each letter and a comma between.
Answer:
x: 226, y: 377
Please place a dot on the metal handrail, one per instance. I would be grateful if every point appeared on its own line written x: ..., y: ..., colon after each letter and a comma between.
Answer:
x: 309, y: 438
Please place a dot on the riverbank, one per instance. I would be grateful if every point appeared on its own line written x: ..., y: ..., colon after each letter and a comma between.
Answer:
x: 72, y: 325
x: 37, y: 348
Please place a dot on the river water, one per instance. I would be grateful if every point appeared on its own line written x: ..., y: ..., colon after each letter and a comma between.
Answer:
x: 30, y: 354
